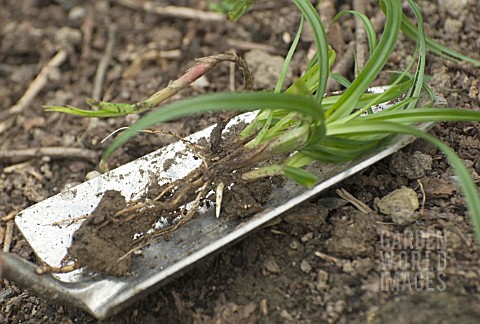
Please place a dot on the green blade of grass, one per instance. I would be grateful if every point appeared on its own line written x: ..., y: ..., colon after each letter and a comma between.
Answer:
x: 337, y: 150
x: 321, y: 44
x: 370, y: 30
x: 300, y: 176
x: 374, y: 65
x: 218, y: 102
x: 239, y: 8
x: 260, y: 136
x: 419, y: 115
x: 82, y: 112
x: 409, y: 29
x: 420, y: 71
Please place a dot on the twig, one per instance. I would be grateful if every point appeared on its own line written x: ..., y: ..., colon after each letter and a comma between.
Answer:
x: 424, y: 196
x: 2, y: 238
x: 10, y: 216
x: 360, y: 35
x: 328, y: 258
x: 344, y: 63
x: 148, y: 56
x: 35, y: 87
x: 327, y: 10
x: 87, y: 31
x: 104, y: 62
x: 231, y: 79
x: 202, y: 66
x: 342, y: 67
x: 360, y: 205
x: 378, y: 21
x: 245, y: 45
x: 52, y: 151
x: 172, y: 11
x: 8, y: 236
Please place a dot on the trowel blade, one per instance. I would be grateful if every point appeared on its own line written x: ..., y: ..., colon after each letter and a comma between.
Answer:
x: 47, y: 228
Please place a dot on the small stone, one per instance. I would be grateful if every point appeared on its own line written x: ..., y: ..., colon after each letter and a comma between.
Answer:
x: 340, y: 306
x: 347, y: 267
x: 322, y: 280
x: 270, y: 266
x: 287, y: 316
x: 400, y: 205
x: 307, y: 237
x: 294, y: 245
x: 77, y: 14
x: 264, y: 307
x: 70, y: 185
x: 68, y: 37
x: 332, y: 203
x: 305, y: 266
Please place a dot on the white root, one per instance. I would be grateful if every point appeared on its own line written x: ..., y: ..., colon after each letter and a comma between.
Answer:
x: 219, y: 198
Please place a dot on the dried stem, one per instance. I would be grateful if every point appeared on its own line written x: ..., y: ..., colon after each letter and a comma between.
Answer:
x: 361, y: 42
x: 33, y: 90
x: 8, y: 236
x: 56, y: 152
x: 203, y: 65
x: 172, y: 11
x: 104, y: 62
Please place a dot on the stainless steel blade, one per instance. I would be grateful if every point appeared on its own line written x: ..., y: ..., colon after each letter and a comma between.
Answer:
x: 47, y: 228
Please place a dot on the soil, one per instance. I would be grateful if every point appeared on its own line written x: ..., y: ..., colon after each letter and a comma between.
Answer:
x: 325, y: 261
x: 101, y: 247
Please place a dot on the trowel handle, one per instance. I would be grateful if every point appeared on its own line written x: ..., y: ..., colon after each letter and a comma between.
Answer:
x: 46, y: 286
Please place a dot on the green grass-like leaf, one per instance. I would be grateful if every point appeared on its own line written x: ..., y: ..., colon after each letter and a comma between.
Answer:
x: 345, y: 105
x: 370, y: 30
x: 305, y: 106
x: 334, y: 129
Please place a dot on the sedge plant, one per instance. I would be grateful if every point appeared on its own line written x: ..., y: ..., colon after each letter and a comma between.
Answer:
x: 303, y: 124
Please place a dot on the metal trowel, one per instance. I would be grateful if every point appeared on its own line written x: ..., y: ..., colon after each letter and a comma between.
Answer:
x: 49, y: 225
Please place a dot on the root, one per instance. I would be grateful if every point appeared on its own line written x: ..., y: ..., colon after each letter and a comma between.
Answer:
x: 65, y: 269
x: 192, y: 211
x: 97, y: 245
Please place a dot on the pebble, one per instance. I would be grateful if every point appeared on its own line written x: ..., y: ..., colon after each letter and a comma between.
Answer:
x: 68, y: 37
x: 270, y: 266
x: 322, y: 280
x: 348, y: 268
x: 294, y: 245
x: 305, y: 266
x: 307, y: 237
x: 76, y: 14
x: 400, y: 205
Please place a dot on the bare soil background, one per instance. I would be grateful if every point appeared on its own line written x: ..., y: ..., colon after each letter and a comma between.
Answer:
x: 323, y: 261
